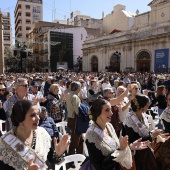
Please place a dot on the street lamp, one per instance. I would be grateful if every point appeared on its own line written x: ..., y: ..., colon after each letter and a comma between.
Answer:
x: 79, y: 61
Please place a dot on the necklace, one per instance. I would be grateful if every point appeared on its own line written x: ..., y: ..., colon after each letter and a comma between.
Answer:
x: 29, y: 143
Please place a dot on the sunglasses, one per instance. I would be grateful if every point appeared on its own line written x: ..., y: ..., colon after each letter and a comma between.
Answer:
x: 2, y: 90
x: 24, y: 85
x: 135, y: 88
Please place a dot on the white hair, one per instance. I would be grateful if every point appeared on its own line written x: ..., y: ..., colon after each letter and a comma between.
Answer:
x: 118, y: 88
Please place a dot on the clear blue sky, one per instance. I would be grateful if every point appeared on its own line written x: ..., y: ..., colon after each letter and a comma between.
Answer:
x: 94, y: 8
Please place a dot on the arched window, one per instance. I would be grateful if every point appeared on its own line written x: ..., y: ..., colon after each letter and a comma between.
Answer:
x: 144, y: 55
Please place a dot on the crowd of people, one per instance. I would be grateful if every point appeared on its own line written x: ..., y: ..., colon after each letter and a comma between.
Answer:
x: 120, y: 137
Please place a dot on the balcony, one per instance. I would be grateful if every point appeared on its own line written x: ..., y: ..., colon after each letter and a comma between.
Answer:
x: 7, y: 42
x: 6, y: 32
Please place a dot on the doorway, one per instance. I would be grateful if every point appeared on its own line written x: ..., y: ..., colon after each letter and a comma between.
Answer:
x: 143, y: 62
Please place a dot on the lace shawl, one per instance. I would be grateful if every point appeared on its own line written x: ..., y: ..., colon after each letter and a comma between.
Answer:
x: 11, y: 158
x: 93, y: 137
x: 166, y: 115
x: 143, y: 130
x: 122, y: 156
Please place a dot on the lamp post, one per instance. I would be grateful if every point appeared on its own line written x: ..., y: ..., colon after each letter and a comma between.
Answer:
x: 22, y: 53
x: 79, y: 61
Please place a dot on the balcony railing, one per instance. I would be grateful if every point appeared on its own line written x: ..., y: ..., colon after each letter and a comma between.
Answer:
x: 7, y: 42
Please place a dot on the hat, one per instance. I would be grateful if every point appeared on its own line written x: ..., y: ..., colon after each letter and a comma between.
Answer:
x: 35, y: 84
x: 39, y: 79
x: 2, y: 86
x: 161, y: 77
x: 43, y: 108
x: 81, y: 80
x: 50, y: 77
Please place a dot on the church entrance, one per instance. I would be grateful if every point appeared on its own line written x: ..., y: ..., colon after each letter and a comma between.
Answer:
x: 143, y: 61
x: 94, y: 64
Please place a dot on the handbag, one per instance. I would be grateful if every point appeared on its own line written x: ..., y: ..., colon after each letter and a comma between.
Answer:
x: 87, y: 166
x: 82, y: 119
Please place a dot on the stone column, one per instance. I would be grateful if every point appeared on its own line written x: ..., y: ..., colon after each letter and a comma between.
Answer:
x: 1, y: 46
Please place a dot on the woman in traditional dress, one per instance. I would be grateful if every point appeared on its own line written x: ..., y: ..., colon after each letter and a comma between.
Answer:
x: 27, y: 146
x: 162, y: 101
x: 136, y: 126
x: 105, y: 150
x: 165, y: 116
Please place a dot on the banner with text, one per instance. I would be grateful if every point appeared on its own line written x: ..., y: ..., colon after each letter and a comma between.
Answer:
x: 161, y: 60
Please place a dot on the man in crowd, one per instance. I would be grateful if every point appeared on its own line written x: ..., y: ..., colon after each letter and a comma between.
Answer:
x: 73, y: 103
x: 48, y: 123
x: 21, y: 88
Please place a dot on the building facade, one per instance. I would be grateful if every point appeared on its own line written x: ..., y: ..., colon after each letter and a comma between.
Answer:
x: 40, y: 42
x: 143, y: 47
x: 114, y: 20
x: 27, y: 12
x: 7, y: 29
x: 1, y: 45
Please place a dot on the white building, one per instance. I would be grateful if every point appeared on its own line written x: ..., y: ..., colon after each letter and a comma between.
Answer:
x: 143, y: 47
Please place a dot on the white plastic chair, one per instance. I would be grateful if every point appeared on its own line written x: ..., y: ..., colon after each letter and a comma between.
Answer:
x: 71, y: 158
x: 1, y: 129
x: 151, y: 122
x: 62, y: 127
x: 155, y: 109
x: 85, y: 151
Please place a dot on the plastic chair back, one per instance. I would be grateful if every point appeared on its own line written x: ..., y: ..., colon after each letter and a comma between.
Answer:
x: 62, y: 127
x: 155, y: 109
x: 85, y: 150
x: 2, y: 122
x: 151, y: 122
x: 76, y: 158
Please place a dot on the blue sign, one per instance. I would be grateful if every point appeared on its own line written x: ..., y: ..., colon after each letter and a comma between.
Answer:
x: 161, y: 60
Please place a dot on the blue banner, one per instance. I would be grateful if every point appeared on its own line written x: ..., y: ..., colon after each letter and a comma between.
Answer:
x: 161, y: 60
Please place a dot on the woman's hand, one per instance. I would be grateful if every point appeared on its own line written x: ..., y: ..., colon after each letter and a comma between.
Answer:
x: 138, y: 145
x: 156, y: 132
x: 165, y: 136
x: 33, y: 166
x: 123, y: 142
x: 62, y: 145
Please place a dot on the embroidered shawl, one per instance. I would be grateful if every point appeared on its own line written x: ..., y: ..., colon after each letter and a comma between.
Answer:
x: 42, y: 147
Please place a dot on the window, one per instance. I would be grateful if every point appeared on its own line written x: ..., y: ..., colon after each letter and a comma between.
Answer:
x: 27, y: 7
x: 6, y: 38
x: 5, y: 22
x: 28, y: 22
x: 6, y: 32
x: 6, y: 27
x: 75, y: 19
x: 36, y: 16
x: 36, y: 9
x: 27, y: 14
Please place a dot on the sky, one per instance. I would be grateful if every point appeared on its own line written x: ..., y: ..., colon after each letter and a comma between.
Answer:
x: 63, y: 8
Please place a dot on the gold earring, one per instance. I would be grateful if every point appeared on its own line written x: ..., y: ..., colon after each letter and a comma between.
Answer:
x: 21, y: 127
